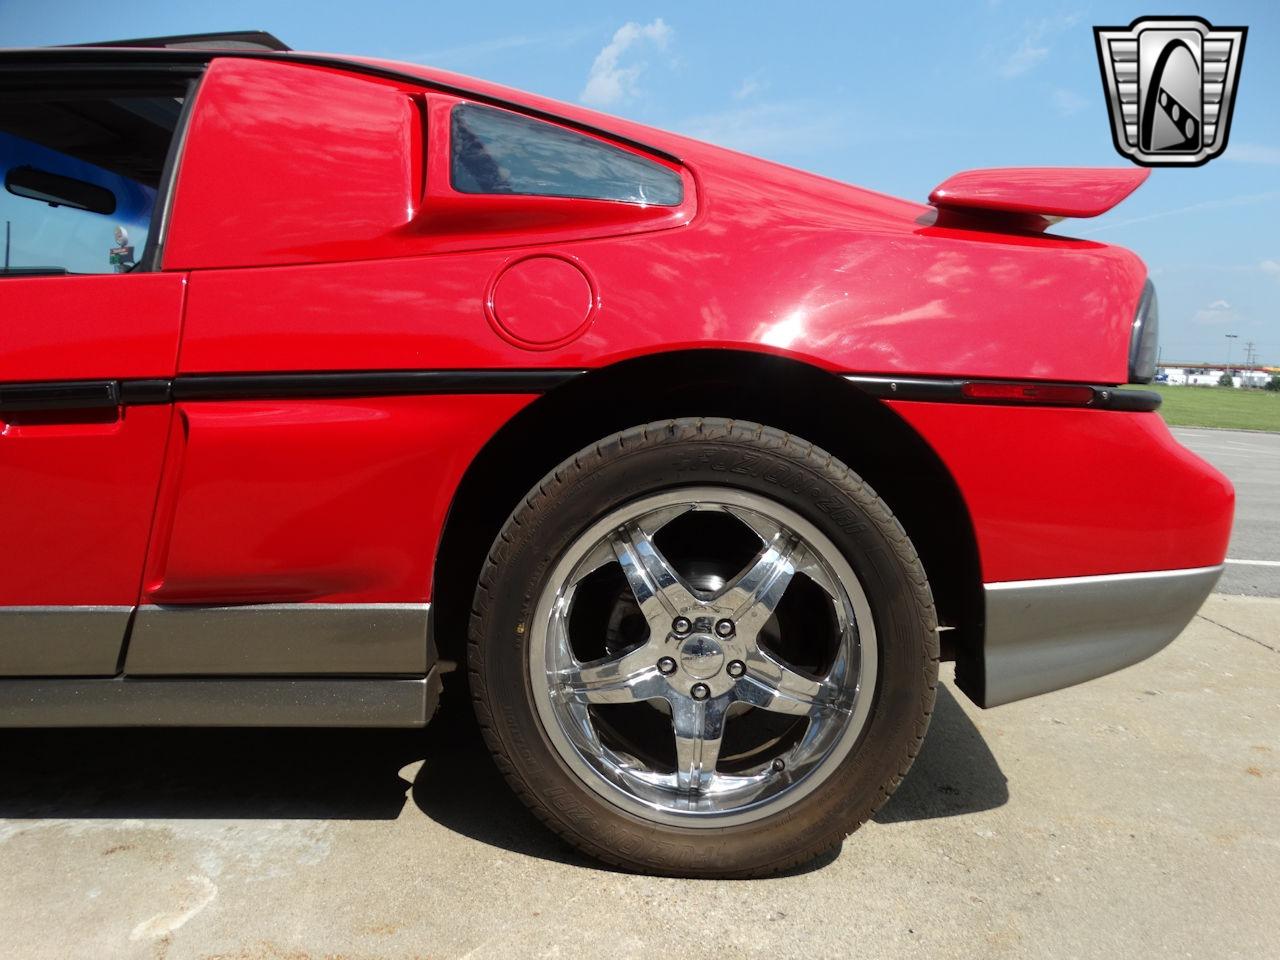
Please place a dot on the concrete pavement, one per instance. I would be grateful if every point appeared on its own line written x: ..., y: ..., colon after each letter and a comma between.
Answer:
x: 1252, y: 461
x: 1135, y: 816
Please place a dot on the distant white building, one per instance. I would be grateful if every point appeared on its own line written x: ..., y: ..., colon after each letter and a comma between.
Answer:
x: 1191, y: 376
x: 1203, y: 375
x: 1205, y: 378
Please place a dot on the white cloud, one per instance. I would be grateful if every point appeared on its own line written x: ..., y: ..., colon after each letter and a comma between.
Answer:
x: 1217, y: 312
x: 773, y: 128
x: 1241, y: 200
x: 1270, y: 267
x: 485, y: 50
x: 1023, y: 59
x: 1033, y: 48
x: 612, y: 80
x: 749, y: 86
x: 1068, y: 102
x: 1252, y: 153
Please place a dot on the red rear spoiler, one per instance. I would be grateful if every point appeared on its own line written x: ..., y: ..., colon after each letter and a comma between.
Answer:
x: 1034, y: 197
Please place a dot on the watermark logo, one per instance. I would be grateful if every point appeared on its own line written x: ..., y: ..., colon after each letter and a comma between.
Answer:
x: 1170, y: 84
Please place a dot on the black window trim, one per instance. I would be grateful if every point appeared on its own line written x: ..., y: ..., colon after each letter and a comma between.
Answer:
x: 152, y: 260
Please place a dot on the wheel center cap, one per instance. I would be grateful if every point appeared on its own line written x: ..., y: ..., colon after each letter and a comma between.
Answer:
x: 701, y: 656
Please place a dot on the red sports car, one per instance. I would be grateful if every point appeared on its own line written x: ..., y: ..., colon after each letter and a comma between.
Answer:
x: 321, y: 375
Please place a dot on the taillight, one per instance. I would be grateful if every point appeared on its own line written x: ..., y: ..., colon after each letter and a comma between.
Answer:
x: 1145, y: 338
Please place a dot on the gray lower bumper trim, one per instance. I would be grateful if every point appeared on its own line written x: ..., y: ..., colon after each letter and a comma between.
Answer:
x: 1043, y: 635
x: 227, y: 702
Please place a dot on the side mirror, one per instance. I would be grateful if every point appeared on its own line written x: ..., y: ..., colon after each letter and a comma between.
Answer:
x: 59, y: 191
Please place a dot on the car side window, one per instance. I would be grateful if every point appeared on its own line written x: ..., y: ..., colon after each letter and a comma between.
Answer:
x: 499, y: 152
x: 80, y: 179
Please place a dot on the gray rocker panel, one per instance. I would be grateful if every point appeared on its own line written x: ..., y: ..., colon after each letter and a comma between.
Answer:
x: 124, y: 702
x: 61, y: 641
x: 279, y: 638
x: 1043, y: 635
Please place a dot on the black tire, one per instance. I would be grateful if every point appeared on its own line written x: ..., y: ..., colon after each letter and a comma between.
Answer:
x: 700, y: 452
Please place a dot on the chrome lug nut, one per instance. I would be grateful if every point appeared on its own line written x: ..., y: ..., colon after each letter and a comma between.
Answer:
x: 724, y: 628
x: 778, y: 765
x: 736, y: 668
x: 700, y: 691
x: 666, y: 665
x: 681, y: 625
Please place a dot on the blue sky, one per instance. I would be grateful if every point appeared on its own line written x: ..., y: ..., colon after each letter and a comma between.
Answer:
x: 890, y: 96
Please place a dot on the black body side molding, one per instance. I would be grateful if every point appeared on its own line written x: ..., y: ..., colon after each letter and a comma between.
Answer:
x: 85, y: 394
x: 99, y: 394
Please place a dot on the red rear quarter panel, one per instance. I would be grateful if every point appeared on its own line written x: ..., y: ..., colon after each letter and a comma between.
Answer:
x: 767, y: 259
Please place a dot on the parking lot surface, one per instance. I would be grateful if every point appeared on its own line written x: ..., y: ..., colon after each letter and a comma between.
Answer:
x: 1252, y: 461
x: 1135, y: 816
x: 1130, y: 817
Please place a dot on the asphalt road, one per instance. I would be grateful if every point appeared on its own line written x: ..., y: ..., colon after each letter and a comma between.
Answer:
x: 1131, y: 817
x: 1252, y: 461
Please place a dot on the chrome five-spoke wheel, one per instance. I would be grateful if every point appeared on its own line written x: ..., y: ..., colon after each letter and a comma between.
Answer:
x: 703, y: 647
x: 671, y: 625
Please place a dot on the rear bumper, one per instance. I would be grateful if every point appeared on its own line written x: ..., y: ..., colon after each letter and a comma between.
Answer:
x: 1043, y: 635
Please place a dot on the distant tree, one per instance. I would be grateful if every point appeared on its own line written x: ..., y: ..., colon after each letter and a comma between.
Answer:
x: 1226, y: 381
x: 1273, y: 384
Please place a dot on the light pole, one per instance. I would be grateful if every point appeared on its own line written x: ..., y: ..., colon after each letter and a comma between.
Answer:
x: 1230, y: 337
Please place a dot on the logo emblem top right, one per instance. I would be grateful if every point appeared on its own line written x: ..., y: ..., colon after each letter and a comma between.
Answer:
x: 1170, y: 84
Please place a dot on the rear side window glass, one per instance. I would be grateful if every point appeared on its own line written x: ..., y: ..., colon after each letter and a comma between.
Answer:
x: 495, y: 151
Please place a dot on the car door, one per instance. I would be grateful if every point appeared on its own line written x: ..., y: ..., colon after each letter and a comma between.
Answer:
x: 88, y: 342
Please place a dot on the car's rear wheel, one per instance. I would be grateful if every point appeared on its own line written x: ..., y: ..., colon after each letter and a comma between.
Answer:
x: 703, y: 647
